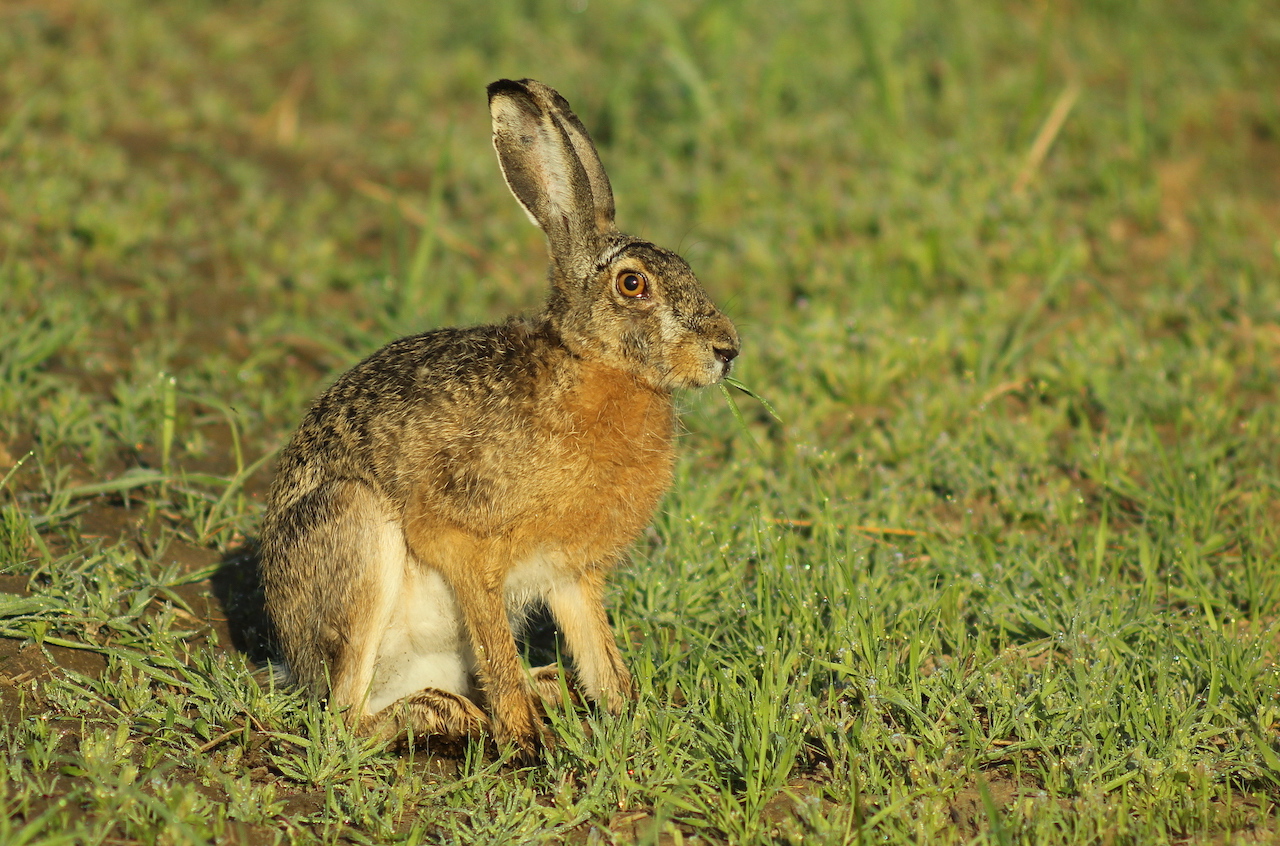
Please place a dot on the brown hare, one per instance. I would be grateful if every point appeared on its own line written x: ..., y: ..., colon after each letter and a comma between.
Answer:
x: 454, y: 478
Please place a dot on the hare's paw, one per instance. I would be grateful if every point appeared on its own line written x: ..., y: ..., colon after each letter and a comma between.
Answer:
x: 550, y: 690
x: 619, y: 690
x: 517, y: 723
x: 428, y: 713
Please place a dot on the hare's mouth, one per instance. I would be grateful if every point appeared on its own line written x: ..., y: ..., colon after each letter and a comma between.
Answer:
x: 723, y: 362
x: 711, y: 369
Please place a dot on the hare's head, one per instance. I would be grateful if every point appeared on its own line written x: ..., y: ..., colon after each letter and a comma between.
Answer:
x: 614, y: 299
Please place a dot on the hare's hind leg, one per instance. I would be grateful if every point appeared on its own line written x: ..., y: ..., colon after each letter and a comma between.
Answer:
x: 578, y: 608
x: 348, y: 571
x: 332, y: 563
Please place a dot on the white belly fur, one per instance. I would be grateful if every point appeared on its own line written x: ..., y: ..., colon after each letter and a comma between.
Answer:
x: 425, y: 643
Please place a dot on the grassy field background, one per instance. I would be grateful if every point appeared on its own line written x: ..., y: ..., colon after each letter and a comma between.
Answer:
x: 1003, y: 571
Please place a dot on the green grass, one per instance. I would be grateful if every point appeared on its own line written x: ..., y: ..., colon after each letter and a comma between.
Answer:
x: 1002, y: 570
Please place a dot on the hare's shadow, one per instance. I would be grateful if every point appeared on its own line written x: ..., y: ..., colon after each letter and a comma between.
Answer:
x: 237, y: 585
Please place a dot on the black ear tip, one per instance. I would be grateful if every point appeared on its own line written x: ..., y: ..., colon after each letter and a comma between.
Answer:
x: 507, y: 86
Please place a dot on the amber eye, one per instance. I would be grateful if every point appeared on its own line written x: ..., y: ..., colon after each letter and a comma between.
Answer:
x: 632, y: 284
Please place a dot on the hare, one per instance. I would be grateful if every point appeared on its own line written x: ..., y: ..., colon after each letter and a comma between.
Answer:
x: 454, y: 478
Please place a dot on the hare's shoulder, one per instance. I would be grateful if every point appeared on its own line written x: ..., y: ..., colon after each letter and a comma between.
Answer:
x: 453, y: 359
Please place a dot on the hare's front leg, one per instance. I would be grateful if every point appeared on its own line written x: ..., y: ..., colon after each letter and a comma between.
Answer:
x: 471, y: 567
x: 512, y: 710
x: 578, y: 608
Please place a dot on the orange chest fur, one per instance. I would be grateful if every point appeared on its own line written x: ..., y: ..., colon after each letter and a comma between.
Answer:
x: 614, y: 437
x: 580, y: 481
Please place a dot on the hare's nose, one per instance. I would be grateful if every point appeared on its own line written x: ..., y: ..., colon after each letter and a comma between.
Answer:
x: 726, y: 354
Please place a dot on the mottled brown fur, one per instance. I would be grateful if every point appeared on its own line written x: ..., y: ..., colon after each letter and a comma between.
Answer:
x: 516, y: 461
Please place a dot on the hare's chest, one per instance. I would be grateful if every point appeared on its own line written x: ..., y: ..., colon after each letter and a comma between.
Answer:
x: 620, y: 433
x: 613, y: 463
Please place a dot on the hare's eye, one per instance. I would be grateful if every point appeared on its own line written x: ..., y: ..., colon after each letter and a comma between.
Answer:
x: 632, y: 284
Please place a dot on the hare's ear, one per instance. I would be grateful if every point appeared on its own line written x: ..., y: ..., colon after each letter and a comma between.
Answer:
x: 552, y: 168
